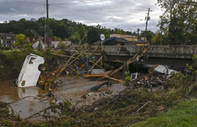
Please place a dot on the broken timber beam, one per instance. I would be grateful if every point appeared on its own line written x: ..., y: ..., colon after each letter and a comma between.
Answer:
x: 95, y: 64
x: 121, y: 81
x: 130, y: 61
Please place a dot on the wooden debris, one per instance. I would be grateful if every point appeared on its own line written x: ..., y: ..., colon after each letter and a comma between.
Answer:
x: 97, y: 75
x: 130, y: 61
x: 143, y: 106
x: 80, y: 57
x: 121, y: 81
x: 95, y: 64
x: 150, y: 73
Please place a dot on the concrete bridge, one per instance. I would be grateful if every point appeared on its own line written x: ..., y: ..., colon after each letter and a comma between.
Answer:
x: 172, y: 55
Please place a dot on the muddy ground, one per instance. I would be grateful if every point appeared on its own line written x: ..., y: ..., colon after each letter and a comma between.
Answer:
x: 28, y: 101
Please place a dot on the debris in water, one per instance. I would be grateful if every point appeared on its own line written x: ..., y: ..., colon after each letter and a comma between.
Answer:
x: 165, y: 70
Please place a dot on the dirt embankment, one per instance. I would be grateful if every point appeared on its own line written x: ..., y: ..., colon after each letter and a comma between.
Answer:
x: 11, y: 62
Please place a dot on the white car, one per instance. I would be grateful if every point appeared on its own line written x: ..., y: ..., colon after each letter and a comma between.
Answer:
x: 30, y: 71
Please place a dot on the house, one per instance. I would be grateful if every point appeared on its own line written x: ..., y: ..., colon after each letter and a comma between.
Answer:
x: 114, y: 41
x: 55, y: 43
x: 7, y: 39
x: 131, y: 38
x: 120, y: 39
x: 42, y: 42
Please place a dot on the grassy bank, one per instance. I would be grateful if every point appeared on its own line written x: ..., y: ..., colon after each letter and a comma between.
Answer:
x: 182, y: 115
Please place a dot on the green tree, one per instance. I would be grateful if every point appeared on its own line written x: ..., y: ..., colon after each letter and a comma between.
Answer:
x: 20, y: 40
x: 149, y: 34
x: 57, y: 38
x: 93, y: 35
x: 157, y: 39
x: 179, y: 21
x: 75, y: 38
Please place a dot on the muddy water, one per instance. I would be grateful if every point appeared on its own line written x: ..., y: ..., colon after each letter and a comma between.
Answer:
x: 10, y: 93
x: 28, y: 101
x: 23, y: 101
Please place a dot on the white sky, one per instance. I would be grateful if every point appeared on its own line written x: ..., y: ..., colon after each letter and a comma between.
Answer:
x: 124, y: 14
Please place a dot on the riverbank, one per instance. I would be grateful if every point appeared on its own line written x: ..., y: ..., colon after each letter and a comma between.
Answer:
x: 129, y: 106
x: 74, y: 102
x: 182, y: 115
x: 11, y: 62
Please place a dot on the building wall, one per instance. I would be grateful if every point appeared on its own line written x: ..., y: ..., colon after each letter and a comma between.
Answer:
x: 7, y: 39
x: 126, y: 37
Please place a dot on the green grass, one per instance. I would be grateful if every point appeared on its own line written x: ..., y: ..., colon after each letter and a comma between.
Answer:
x: 182, y: 115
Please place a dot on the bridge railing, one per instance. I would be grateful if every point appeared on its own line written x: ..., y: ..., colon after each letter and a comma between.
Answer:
x: 165, y: 51
x: 169, y: 51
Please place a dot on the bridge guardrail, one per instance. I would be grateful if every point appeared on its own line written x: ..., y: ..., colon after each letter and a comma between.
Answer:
x: 172, y: 51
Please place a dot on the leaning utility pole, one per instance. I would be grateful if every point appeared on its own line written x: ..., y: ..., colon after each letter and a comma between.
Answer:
x: 147, y: 18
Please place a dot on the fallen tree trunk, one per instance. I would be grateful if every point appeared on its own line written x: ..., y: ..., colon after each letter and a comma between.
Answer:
x: 130, y: 61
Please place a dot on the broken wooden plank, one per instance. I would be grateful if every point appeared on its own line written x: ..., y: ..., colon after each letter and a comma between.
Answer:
x: 97, y: 75
x: 67, y: 63
x: 121, y: 81
x: 95, y: 64
x: 130, y: 61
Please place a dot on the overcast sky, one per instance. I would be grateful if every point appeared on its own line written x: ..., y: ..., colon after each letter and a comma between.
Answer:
x: 124, y: 14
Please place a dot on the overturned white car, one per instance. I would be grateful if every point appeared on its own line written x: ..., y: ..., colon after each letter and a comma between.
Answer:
x: 30, y: 71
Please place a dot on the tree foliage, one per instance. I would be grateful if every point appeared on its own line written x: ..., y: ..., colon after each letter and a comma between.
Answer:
x: 179, y: 21
x: 20, y: 40
x: 148, y: 34
x: 64, y: 29
x: 93, y: 35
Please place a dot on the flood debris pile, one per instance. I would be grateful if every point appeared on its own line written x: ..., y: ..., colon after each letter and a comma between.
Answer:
x: 129, y: 106
x: 76, y: 64
x: 154, y: 79
x: 95, y: 103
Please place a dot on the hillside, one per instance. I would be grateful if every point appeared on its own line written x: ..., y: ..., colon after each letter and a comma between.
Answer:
x: 64, y: 29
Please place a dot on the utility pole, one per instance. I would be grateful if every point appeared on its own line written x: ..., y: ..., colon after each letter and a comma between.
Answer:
x: 147, y: 18
x: 46, y: 25
x: 47, y: 4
